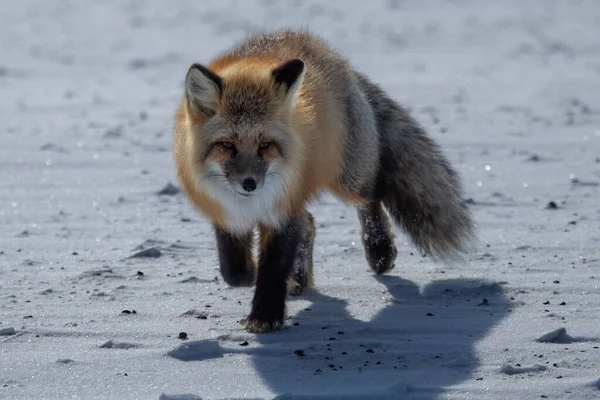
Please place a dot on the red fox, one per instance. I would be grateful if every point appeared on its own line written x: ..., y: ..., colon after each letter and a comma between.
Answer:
x: 281, y: 117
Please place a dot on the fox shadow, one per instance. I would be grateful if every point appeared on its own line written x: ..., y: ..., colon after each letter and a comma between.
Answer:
x: 421, y: 343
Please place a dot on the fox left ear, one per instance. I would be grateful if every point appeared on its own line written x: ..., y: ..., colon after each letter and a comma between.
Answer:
x: 290, y: 75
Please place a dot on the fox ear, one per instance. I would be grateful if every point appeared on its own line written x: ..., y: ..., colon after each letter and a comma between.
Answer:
x: 203, y: 88
x: 290, y: 75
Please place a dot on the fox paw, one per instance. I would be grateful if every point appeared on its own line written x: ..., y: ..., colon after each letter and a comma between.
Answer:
x: 381, y: 257
x: 240, y: 278
x: 297, y: 284
x: 295, y: 288
x: 262, y: 323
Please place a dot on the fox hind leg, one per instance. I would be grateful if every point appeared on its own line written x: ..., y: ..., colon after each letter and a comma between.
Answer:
x: 377, y: 237
x: 302, y: 272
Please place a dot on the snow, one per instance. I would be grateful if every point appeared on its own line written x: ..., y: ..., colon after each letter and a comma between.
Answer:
x: 88, y: 91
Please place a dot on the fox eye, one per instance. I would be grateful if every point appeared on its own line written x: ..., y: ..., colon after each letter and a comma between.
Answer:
x: 264, y: 145
x: 227, y: 145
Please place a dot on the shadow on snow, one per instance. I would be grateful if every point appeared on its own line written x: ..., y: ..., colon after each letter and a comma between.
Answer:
x: 420, y: 344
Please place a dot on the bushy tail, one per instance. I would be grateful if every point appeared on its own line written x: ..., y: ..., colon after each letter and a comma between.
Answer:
x: 416, y: 183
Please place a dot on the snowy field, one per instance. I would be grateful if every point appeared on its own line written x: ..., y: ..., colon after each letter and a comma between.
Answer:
x: 510, y: 89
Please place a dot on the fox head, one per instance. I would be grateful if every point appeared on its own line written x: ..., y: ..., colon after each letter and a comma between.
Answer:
x: 238, y: 119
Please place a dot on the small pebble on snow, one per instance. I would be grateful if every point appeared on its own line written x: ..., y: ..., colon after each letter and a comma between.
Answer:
x: 7, y: 331
x: 168, y: 190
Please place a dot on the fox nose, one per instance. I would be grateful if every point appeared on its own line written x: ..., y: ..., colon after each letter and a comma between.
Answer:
x: 249, y: 184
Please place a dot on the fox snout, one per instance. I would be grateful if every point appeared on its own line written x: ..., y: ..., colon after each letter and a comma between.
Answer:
x: 247, y: 172
x: 246, y: 184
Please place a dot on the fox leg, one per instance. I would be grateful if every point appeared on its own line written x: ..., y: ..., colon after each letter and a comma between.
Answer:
x: 278, y: 249
x: 235, y: 258
x: 377, y: 237
x: 302, y: 272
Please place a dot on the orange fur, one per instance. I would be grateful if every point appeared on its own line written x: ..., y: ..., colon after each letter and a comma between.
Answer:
x: 315, y: 123
x: 185, y: 168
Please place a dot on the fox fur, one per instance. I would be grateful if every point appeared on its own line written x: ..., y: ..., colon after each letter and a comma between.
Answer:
x: 281, y: 117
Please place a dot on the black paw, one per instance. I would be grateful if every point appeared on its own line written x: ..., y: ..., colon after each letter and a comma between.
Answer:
x: 240, y: 278
x: 381, y: 256
x: 263, y: 322
x: 296, y: 284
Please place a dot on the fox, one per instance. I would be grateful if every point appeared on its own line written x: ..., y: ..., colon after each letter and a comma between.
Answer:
x: 281, y: 117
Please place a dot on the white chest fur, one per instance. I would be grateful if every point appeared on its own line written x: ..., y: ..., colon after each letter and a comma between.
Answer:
x: 243, y: 214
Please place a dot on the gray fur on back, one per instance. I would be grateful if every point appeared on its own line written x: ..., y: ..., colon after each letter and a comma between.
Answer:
x: 387, y: 155
x: 361, y: 151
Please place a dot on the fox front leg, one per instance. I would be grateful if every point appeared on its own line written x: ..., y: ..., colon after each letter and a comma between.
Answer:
x: 235, y: 258
x: 275, y: 264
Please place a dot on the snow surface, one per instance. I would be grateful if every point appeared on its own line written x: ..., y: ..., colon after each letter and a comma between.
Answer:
x: 88, y: 89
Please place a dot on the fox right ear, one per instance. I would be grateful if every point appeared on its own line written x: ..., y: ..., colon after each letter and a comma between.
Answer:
x: 203, y: 88
x: 290, y: 75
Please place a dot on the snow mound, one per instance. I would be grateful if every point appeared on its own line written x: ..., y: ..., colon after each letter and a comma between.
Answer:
x: 510, y: 370
x: 556, y: 336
